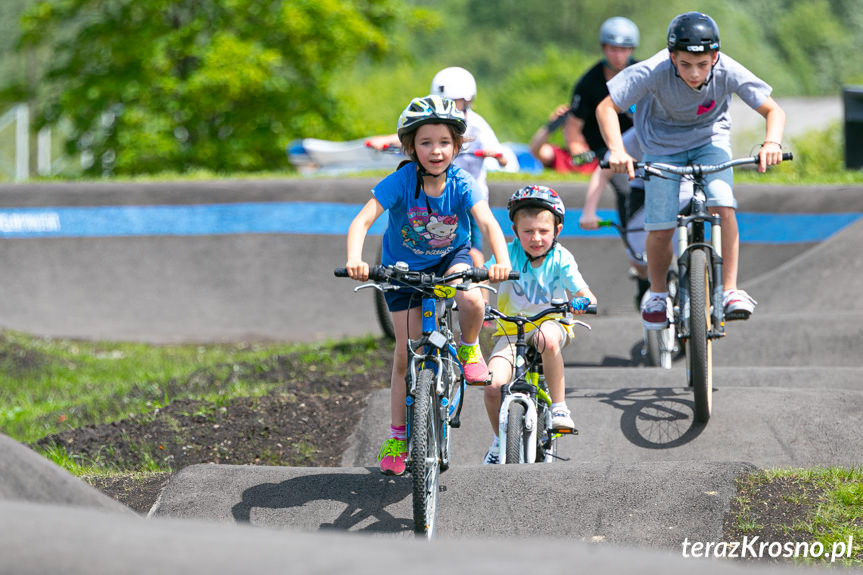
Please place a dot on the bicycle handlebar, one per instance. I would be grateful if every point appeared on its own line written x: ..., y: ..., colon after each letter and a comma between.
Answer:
x: 694, y: 169
x: 561, y: 307
x: 420, y: 279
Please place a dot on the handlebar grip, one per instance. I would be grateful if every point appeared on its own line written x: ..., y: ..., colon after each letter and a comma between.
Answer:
x: 787, y: 156
x: 376, y: 273
x: 604, y: 164
x: 481, y: 275
x: 583, y: 303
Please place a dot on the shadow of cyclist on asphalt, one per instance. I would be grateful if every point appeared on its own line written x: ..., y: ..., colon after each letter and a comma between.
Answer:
x: 654, y: 417
x: 365, y: 498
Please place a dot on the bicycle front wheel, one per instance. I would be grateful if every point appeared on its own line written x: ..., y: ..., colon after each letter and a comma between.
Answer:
x: 699, y: 353
x: 384, y: 318
x: 424, y: 462
x: 515, y: 435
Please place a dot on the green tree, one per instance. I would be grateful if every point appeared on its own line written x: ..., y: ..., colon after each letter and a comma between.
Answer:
x: 153, y: 85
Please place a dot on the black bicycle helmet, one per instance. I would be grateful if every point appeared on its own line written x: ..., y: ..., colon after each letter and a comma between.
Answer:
x: 431, y: 109
x: 536, y: 197
x: 693, y: 32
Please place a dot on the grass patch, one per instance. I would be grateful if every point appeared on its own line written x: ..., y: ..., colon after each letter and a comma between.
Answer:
x: 817, y: 505
x: 51, y: 385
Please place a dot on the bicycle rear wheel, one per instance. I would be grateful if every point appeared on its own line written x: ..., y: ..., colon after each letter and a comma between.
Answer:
x: 515, y: 435
x: 384, y: 318
x: 424, y: 462
x: 699, y: 352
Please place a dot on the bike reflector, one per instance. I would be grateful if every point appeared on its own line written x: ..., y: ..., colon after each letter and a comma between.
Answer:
x: 444, y: 291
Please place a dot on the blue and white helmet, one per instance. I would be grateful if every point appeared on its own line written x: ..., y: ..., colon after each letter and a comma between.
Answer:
x: 536, y: 197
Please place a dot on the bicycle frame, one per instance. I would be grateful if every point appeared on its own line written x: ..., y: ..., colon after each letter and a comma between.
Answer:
x: 525, y: 389
x: 436, y: 347
x: 691, y: 230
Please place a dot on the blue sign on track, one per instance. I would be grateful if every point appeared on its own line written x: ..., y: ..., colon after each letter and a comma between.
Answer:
x: 329, y: 219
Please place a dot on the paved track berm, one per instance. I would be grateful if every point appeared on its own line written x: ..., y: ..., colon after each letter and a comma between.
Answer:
x: 641, y: 476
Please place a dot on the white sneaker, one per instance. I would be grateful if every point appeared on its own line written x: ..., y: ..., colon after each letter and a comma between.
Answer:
x: 737, y: 304
x: 561, y: 418
x: 655, y: 312
x: 492, y: 457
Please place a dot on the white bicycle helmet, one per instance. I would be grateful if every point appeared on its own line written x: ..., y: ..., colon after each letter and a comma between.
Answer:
x: 454, y: 83
x: 619, y: 31
x: 431, y: 109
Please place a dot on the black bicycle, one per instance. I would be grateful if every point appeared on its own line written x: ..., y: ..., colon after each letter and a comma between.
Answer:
x: 659, y: 346
x: 525, y: 432
x: 699, y: 315
x: 434, y: 379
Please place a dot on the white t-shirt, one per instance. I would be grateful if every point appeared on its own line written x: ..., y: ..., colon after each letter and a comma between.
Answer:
x: 671, y: 117
x: 479, y: 136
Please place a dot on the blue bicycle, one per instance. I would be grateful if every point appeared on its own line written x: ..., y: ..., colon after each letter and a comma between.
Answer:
x: 434, y: 379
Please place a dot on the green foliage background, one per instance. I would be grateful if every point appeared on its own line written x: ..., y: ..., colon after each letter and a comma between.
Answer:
x: 146, y: 86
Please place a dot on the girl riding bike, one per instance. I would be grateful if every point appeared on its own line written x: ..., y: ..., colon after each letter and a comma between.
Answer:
x: 429, y: 200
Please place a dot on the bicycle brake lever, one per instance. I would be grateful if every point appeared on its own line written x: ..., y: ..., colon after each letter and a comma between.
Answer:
x: 368, y: 285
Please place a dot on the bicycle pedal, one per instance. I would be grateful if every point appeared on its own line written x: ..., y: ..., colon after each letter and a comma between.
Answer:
x: 566, y: 431
x: 483, y: 383
x: 738, y: 315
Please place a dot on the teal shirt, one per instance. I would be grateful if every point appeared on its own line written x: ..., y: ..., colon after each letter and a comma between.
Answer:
x: 556, y: 278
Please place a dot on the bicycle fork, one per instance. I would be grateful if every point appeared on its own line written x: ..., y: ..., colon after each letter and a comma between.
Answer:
x: 529, y: 424
x: 714, y: 250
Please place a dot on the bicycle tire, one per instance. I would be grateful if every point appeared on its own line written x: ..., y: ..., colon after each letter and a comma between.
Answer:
x: 424, y: 462
x: 385, y: 319
x: 699, y: 354
x: 515, y: 436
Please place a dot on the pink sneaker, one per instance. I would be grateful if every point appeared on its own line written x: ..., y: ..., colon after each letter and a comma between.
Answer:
x: 392, y: 456
x: 475, y: 369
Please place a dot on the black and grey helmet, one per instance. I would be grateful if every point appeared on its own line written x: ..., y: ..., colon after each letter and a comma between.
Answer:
x: 693, y: 32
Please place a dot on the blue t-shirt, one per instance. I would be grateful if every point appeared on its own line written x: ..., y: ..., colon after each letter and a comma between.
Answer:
x: 556, y: 278
x: 422, y: 230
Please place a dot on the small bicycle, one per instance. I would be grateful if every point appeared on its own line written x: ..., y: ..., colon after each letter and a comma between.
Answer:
x: 525, y: 431
x: 659, y: 346
x: 434, y: 379
x: 699, y: 316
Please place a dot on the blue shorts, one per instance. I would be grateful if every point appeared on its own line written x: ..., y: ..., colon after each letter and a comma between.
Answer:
x: 661, y: 194
x: 400, y: 300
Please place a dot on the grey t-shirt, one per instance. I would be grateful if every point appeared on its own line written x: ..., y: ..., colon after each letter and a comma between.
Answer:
x: 671, y: 117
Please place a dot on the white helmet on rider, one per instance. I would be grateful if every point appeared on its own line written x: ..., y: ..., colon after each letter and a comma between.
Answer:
x: 456, y: 83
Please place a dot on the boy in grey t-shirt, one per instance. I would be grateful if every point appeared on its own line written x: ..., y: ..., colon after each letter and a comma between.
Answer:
x: 681, y: 97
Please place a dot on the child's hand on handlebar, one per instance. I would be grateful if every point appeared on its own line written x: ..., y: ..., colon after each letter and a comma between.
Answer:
x: 620, y: 162
x: 499, y: 272
x: 358, y: 270
x: 588, y: 220
x: 769, y: 155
